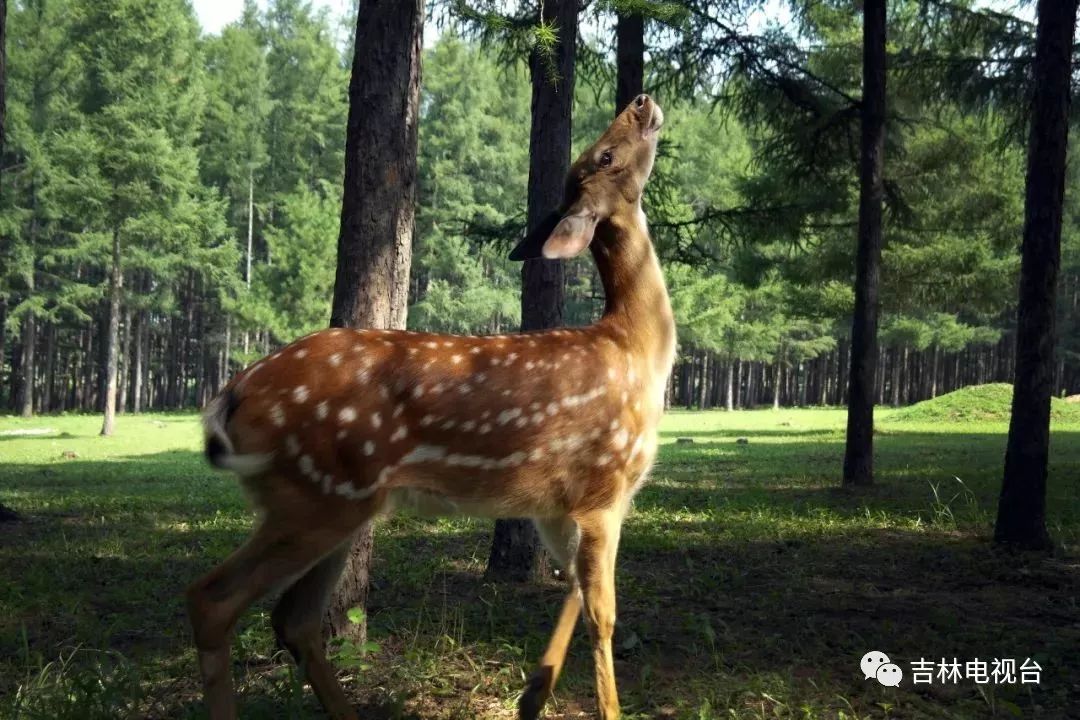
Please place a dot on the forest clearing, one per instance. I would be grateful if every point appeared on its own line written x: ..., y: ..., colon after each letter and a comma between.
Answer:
x: 750, y: 585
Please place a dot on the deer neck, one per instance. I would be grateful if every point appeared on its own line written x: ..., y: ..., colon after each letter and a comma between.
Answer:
x: 637, y: 306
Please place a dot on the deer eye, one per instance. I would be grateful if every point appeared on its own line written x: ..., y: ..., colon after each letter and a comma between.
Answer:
x: 605, y: 158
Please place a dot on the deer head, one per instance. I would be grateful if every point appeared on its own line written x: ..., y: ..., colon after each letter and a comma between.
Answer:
x: 606, y: 181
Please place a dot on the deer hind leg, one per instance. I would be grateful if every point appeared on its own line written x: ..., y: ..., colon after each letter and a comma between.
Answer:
x: 561, y: 537
x: 278, y: 551
x: 596, y: 573
x: 297, y: 620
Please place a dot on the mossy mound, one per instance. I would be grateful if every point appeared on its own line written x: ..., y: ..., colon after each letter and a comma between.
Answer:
x: 976, y: 402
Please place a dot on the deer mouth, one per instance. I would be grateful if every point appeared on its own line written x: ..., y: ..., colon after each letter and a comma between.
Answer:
x: 656, y: 121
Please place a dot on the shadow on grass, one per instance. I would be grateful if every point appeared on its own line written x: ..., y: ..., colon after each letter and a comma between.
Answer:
x: 732, y: 612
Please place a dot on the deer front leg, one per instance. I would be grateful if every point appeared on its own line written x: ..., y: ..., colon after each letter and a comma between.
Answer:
x: 596, y: 573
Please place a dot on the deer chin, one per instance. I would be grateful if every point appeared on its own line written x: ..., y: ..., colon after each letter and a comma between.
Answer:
x: 655, y: 123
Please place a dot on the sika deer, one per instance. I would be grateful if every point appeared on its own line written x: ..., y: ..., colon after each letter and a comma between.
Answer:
x: 558, y: 425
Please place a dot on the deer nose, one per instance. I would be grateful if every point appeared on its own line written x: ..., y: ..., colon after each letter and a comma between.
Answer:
x: 640, y: 100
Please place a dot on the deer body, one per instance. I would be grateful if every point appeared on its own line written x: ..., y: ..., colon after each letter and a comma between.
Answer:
x: 559, y: 426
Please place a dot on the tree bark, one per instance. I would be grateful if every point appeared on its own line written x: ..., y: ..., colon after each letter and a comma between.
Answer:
x: 859, y: 449
x: 729, y: 382
x: 125, y: 361
x: 377, y: 214
x: 26, y: 366
x: 1021, y: 518
x: 629, y: 58
x: 116, y: 281
x: 515, y: 547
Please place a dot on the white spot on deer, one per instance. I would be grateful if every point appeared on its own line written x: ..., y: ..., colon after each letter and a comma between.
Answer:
x: 520, y: 422
x: 363, y: 375
x: 427, y: 420
x: 327, y: 483
x: 418, y: 391
x: 346, y: 415
x: 399, y: 409
x: 468, y: 425
x: 573, y: 442
x: 513, y: 459
x: 306, y: 464
x: 431, y: 345
x: 424, y: 453
x: 464, y: 388
x: 341, y: 434
x: 638, y: 444
x: 277, y: 415
x: 456, y: 359
x: 300, y: 394
x: 322, y: 410
x: 625, y: 397
x: 631, y: 374
x: 479, y: 377
x: 611, y: 373
x: 536, y: 454
x: 346, y: 489
x: 292, y: 445
x: 532, y: 343
x: 449, y: 425
x: 399, y: 434
x: 334, y: 359
x: 511, y: 357
x: 413, y: 351
x: 384, y: 392
x: 552, y: 408
x: 614, y: 425
x: 620, y: 439
x: 594, y: 434
x: 485, y: 429
x: 566, y: 356
x: 603, y: 460
x: 507, y: 415
x: 447, y: 343
x: 376, y: 420
x: 538, y: 418
x: 485, y: 415
x: 300, y: 354
x: 506, y: 393
x: 529, y: 365
x: 534, y: 406
x: 369, y: 448
x: 475, y: 350
x: 496, y: 361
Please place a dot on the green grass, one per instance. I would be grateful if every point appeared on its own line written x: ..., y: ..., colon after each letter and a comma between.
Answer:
x: 991, y: 402
x: 749, y: 584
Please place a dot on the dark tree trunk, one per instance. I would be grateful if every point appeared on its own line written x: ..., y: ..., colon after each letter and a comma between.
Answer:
x: 515, y: 546
x: 125, y: 362
x: 116, y: 282
x: 377, y: 214
x: 26, y: 366
x: 859, y: 450
x: 629, y: 58
x: 1021, y: 518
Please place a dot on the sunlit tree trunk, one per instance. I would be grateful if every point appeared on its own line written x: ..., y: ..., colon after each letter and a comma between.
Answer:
x: 116, y: 281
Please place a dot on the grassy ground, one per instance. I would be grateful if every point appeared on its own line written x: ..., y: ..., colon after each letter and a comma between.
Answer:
x: 749, y: 585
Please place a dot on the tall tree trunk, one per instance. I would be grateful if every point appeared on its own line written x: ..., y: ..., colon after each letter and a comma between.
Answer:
x: 3, y: 335
x: 125, y: 362
x: 703, y: 391
x: 859, y: 449
x: 629, y: 58
x: 1021, y: 518
x: 729, y: 382
x: 250, y: 225
x: 776, y: 385
x: 49, y: 380
x: 377, y: 214
x: 116, y: 282
x: 26, y: 366
x: 515, y: 546
x: 140, y: 360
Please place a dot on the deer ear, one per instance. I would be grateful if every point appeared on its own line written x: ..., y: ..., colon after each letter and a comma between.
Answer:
x: 572, y: 235
x: 532, y: 245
